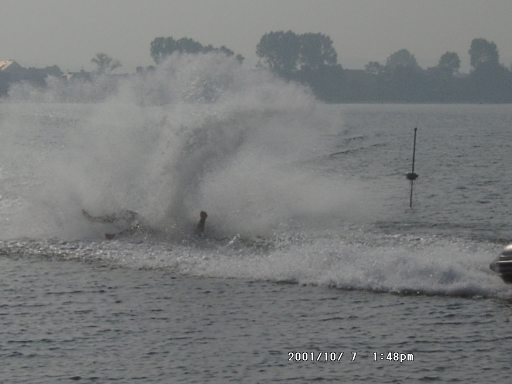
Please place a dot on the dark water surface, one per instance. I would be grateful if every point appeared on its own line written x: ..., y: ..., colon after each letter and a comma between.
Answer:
x: 65, y: 321
x: 378, y: 279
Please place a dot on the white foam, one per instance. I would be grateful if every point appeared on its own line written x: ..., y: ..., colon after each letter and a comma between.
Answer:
x: 366, y: 260
x: 199, y: 133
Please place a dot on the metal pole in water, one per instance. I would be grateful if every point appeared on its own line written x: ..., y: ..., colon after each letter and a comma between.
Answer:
x: 410, y: 197
x: 412, y: 176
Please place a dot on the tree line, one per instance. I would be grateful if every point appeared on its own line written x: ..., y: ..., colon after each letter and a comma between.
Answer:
x: 312, y: 60
x: 401, y: 79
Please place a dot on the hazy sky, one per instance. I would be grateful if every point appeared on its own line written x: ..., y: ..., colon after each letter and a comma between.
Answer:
x: 70, y: 32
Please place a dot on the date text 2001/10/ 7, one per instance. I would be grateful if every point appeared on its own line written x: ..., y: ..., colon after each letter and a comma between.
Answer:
x: 320, y: 356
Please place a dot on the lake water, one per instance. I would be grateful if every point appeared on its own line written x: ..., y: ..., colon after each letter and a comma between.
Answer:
x: 313, y: 267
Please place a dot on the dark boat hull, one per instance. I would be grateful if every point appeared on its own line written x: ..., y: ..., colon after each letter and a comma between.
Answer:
x: 503, y: 264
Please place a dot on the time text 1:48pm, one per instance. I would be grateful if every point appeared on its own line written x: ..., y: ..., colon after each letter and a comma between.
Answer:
x: 341, y: 356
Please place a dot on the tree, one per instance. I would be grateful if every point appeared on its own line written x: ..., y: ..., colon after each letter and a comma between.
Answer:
x: 162, y: 47
x: 316, y: 51
x: 449, y: 63
x: 403, y: 79
x: 309, y: 58
x: 489, y: 80
x: 287, y: 53
x: 105, y: 63
x: 483, y: 52
x: 280, y: 51
x: 400, y: 60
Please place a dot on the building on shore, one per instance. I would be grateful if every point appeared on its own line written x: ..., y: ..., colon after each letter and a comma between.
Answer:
x: 10, y: 66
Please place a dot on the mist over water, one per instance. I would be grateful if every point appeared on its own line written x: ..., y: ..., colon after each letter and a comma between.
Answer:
x: 198, y: 133
x: 206, y: 133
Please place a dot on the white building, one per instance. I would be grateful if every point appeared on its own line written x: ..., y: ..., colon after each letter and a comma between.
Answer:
x: 9, y: 66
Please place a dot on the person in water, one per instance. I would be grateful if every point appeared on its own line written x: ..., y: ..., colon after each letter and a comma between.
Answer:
x: 202, y: 223
x: 131, y: 222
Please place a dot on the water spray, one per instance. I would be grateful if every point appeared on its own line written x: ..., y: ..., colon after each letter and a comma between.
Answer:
x: 412, y: 175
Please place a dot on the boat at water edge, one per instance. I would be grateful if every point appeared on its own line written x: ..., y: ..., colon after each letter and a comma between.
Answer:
x: 503, y: 264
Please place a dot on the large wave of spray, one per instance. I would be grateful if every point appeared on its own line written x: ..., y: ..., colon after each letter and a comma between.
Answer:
x: 198, y: 133
x: 206, y: 133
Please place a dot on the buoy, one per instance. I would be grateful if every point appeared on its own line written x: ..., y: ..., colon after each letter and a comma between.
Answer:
x: 411, y: 176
